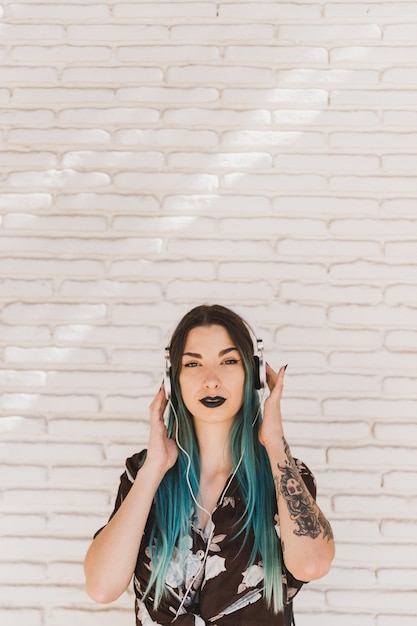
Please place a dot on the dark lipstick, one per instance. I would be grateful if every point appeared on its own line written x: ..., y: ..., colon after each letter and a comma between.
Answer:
x: 212, y: 401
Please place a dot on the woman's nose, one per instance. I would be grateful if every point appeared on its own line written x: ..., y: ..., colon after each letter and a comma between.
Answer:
x: 211, y: 380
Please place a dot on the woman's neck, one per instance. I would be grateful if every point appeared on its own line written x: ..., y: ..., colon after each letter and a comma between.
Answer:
x: 214, y: 446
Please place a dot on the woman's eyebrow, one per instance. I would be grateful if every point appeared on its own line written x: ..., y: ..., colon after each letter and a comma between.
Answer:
x: 195, y: 355
x: 226, y: 351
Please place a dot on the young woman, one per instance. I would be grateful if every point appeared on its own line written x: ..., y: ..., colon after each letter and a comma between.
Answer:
x: 215, y: 519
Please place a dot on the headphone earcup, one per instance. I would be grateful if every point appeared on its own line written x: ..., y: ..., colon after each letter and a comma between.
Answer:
x: 167, y: 376
x: 256, y: 373
x: 167, y: 384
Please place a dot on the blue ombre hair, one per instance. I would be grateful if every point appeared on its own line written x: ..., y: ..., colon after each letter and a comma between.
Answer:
x: 174, y: 505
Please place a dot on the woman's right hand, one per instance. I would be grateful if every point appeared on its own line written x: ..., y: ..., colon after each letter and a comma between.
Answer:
x: 162, y: 451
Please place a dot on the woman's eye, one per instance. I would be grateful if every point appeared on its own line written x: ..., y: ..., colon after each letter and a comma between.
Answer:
x: 231, y: 361
x: 191, y: 364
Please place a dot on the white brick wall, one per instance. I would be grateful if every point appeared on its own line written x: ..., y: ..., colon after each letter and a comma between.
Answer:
x: 154, y: 155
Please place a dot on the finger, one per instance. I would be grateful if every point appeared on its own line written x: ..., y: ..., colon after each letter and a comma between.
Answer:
x: 274, y: 379
x: 271, y: 377
x: 158, y: 404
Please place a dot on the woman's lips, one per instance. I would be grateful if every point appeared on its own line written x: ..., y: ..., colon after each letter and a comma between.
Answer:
x: 212, y: 401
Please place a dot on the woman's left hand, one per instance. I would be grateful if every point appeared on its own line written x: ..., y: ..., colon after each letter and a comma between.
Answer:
x: 271, y: 431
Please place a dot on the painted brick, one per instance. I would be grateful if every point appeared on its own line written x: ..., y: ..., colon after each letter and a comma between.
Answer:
x: 26, y: 11
x: 36, y: 116
x: 276, y: 53
x: 376, y: 98
x: 26, y: 95
x: 365, y: 315
x: 58, y: 312
x: 90, y: 428
x: 111, y: 289
x: 51, y: 267
x: 399, y: 32
x: 313, y: 292
x: 189, y: 138
x: 123, y: 75
x: 170, y: 95
x: 269, y: 11
x: 118, y: 160
x: 25, y: 334
x: 267, y: 182
x: 22, y: 201
x: 165, y: 9
x: 63, y: 53
x: 157, y: 225
x: 90, y: 617
x: 402, y: 620
x: 166, y: 181
x: 18, y: 617
x: 23, y: 572
x: 369, y: 270
x: 21, y: 426
x: 54, y: 497
x: 180, y: 291
x: 36, y: 453
x: 124, y: 335
x: 400, y: 528
x: 35, y: 403
x: 12, y: 474
x: 373, y: 455
x: 22, y: 159
x: 226, y: 160
x: 276, y: 97
x: 91, y: 246
x: 376, y: 360
x: 326, y: 205
x: 234, y: 203
x: 222, y: 32
x: 327, y: 77
x: 58, y: 179
x: 26, y: 288
x: 115, y: 32
x: 173, y: 53
x: 54, y: 222
x: 329, y: 32
x: 37, y: 32
x: 383, y: 408
x: 327, y: 162
x: 374, y: 54
x: 58, y: 136
x: 196, y: 74
x: 53, y: 355
x: 366, y: 599
x: 226, y: 118
x: 221, y: 249
x: 107, y: 202
x: 119, y: 116
x: 28, y: 75
x: 401, y: 340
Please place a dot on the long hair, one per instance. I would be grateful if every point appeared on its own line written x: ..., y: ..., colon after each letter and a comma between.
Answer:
x: 173, y: 500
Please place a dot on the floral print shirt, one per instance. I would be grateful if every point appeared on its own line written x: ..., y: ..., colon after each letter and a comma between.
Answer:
x: 208, y: 582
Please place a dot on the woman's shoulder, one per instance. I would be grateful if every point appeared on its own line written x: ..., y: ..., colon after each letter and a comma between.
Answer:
x: 134, y: 463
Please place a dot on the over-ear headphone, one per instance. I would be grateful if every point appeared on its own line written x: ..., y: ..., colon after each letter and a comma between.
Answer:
x: 259, y: 371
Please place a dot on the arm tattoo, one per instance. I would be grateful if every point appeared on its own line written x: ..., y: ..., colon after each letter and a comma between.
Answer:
x: 311, y: 523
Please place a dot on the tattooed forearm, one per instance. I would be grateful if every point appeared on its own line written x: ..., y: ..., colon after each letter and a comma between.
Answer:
x: 327, y: 529
x: 310, y: 521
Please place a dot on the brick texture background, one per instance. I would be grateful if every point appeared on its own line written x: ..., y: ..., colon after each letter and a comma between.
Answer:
x: 156, y: 155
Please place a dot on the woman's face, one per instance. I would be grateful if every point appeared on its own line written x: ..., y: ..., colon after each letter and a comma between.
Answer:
x: 212, y: 375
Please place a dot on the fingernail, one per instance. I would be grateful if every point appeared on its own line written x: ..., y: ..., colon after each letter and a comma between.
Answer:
x: 285, y: 367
